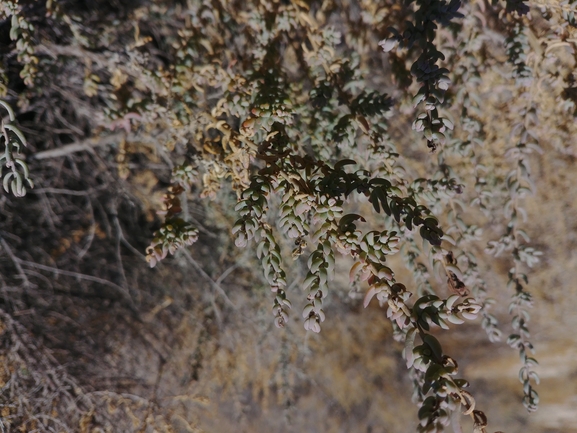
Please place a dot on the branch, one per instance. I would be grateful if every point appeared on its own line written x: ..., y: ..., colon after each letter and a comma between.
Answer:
x: 16, y: 262
x: 213, y: 283
x: 84, y: 145
x: 78, y: 275
x: 59, y: 191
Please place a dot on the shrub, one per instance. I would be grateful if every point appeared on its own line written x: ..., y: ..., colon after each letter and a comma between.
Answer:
x: 363, y: 129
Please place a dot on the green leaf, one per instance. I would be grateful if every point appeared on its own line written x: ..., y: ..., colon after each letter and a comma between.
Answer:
x: 346, y: 220
x: 17, y: 132
x: 409, y: 346
x: 374, y: 199
x: 9, y: 109
x: 339, y: 165
x: 434, y: 344
x: 309, y: 280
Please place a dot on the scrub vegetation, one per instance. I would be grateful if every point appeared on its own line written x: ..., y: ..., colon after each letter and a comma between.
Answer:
x: 180, y: 176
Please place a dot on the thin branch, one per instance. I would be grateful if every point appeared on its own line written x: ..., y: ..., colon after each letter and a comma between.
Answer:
x: 78, y: 275
x: 216, y: 310
x: 226, y: 274
x: 123, y: 239
x: 55, y: 50
x: 201, y: 228
x: 158, y: 308
x: 59, y: 191
x: 47, y: 211
x: 131, y: 248
x: 118, y: 252
x: 92, y: 231
x: 120, y: 233
x: 74, y: 128
x: 84, y: 145
x: 16, y: 262
x: 213, y: 283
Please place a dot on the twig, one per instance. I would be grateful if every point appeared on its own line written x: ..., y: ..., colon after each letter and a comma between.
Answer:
x: 84, y: 145
x: 164, y: 304
x: 226, y: 274
x: 112, y: 394
x: 48, y: 212
x: 213, y: 283
x: 76, y: 129
x: 122, y: 238
x: 217, y: 314
x: 118, y: 230
x: 59, y: 191
x: 131, y: 248
x: 55, y: 50
x: 16, y: 262
x: 184, y: 205
x: 92, y: 231
x: 200, y: 227
x: 24, y: 312
x: 76, y: 275
x: 32, y: 273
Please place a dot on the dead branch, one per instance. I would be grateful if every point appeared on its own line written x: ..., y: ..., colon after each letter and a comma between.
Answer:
x: 213, y: 283
x: 16, y: 262
x: 84, y: 145
x: 78, y: 275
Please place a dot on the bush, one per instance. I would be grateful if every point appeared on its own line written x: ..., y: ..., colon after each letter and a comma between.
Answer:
x: 367, y: 129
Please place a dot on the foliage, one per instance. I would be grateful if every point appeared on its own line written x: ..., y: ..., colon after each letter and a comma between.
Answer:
x: 299, y: 116
x: 13, y: 140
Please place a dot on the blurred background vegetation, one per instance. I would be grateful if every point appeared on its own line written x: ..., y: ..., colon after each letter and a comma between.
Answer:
x: 116, y: 99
